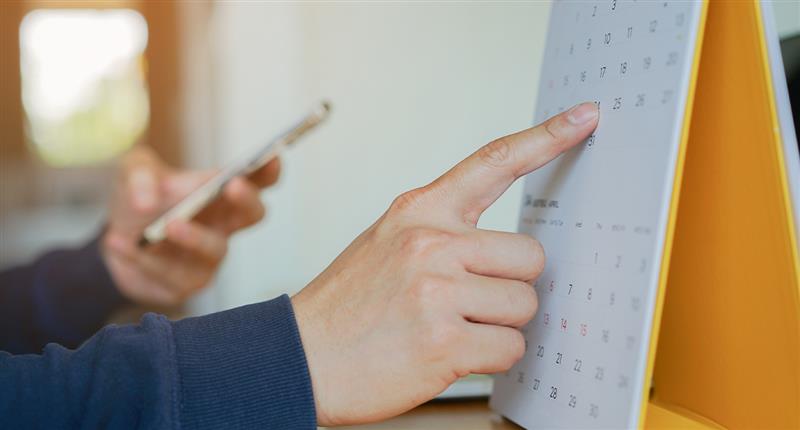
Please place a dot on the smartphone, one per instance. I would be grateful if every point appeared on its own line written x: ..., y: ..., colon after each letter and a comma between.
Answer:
x: 198, y: 199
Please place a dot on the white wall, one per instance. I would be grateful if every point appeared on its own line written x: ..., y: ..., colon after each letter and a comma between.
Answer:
x: 415, y: 88
x: 787, y: 17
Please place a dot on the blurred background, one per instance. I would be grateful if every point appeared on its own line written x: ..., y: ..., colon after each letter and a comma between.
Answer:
x: 415, y: 87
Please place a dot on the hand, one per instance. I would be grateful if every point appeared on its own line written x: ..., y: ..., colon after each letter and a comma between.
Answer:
x: 423, y: 297
x: 169, y: 272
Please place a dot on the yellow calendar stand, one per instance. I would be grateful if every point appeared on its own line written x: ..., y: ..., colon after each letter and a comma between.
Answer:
x: 728, y: 351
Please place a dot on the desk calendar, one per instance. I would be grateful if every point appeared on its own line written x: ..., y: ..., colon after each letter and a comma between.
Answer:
x: 670, y: 298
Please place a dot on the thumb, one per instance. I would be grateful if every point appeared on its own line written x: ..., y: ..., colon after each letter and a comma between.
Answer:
x: 474, y: 184
x: 181, y: 183
x: 142, y: 187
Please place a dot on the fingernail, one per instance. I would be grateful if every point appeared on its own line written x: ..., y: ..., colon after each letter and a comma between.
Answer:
x: 143, y: 184
x: 582, y: 113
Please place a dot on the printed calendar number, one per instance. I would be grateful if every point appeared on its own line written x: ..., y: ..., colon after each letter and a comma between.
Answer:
x: 599, y: 373
x: 628, y: 57
x: 672, y: 58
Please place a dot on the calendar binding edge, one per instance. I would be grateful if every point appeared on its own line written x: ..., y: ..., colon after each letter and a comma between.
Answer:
x: 671, y: 219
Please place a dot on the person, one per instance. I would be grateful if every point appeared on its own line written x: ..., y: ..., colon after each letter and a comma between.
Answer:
x: 419, y: 299
x: 66, y: 295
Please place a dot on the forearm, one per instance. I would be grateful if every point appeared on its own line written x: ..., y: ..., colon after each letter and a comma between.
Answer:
x: 64, y: 296
x: 240, y: 368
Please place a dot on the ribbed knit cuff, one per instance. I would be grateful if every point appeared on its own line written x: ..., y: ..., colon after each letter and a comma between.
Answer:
x: 244, y: 368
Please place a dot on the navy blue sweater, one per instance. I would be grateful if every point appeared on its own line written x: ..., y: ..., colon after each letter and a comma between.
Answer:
x: 241, y: 368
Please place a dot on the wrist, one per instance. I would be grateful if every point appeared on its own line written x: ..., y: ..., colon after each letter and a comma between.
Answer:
x: 306, y: 330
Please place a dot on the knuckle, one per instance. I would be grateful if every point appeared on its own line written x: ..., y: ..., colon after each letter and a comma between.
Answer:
x: 441, y: 338
x: 407, y: 200
x: 554, y: 129
x: 430, y: 291
x: 497, y: 153
x: 420, y: 242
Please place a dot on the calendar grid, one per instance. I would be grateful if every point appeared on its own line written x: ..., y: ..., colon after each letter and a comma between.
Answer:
x: 600, y: 211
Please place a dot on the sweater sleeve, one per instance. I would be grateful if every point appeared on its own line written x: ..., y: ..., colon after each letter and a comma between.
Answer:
x: 65, y: 296
x: 241, y: 368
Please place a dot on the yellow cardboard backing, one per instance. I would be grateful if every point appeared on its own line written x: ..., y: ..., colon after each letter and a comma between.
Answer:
x: 729, y: 345
x: 670, y: 233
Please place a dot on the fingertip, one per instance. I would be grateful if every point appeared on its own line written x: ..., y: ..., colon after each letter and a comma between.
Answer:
x: 583, y: 114
x: 179, y: 231
x: 567, y: 129
x: 235, y: 186
x: 240, y: 191
x: 232, y: 193
x: 267, y: 175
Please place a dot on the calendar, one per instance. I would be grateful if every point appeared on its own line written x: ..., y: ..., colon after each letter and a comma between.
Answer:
x: 671, y: 294
x: 601, y: 211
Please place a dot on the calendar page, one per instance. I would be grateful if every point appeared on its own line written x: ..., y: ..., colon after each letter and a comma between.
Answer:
x: 601, y: 211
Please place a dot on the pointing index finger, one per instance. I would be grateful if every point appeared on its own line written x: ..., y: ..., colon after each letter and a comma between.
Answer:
x: 475, y: 183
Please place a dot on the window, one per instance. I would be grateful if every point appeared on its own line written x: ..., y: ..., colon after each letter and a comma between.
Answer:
x: 84, y: 91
